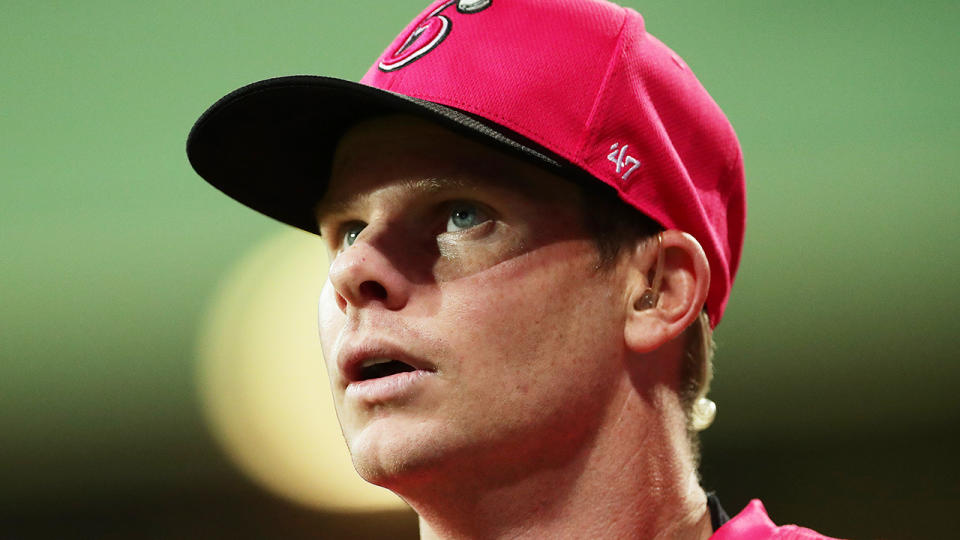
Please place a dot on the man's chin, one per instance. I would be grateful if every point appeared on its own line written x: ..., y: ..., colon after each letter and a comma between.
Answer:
x: 389, y: 456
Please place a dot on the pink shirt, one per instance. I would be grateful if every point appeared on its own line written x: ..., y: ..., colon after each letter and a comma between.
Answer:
x: 753, y: 524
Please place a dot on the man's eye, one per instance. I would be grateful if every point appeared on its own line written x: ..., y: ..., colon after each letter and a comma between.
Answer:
x: 464, y: 216
x: 350, y: 234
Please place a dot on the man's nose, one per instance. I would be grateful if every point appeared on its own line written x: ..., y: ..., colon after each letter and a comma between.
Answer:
x: 363, y: 274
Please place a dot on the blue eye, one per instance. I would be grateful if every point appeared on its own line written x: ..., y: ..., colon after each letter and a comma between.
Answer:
x: 464, y: 216
x: 350, y: 234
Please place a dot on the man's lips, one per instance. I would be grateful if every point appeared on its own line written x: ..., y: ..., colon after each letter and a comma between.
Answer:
x: 373, y: 361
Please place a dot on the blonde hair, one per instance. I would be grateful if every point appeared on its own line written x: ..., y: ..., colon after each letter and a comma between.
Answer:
x: 695, y: 376
x: 697, y: 372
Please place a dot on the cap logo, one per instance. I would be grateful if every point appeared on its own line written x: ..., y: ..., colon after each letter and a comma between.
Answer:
x: 622, y: 160
x: 429, y: 33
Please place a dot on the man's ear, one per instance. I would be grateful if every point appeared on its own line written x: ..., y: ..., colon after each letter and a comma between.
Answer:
x: 654, y: 316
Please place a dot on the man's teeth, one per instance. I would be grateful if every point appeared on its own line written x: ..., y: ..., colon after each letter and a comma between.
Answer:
x: 374, y: 361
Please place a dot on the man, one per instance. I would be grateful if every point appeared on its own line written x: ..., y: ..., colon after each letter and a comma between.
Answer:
x: 534, y: 213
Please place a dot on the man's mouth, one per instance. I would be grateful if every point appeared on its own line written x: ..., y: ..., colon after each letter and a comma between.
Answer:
x: 376, y: 368
x: 377, y: 375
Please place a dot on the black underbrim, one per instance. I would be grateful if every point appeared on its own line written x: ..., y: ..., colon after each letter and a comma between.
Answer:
x: 269, y: 145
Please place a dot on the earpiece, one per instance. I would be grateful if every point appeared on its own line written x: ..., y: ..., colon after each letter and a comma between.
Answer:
x: 651, y: 296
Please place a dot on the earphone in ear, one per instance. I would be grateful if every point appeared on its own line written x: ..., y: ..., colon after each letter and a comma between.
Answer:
x: 651, y: 296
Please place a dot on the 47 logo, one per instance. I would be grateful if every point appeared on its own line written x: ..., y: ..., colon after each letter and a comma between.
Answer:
x: 619, y: 157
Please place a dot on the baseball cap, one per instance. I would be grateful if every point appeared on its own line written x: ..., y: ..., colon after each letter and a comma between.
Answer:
x: 578, y: 86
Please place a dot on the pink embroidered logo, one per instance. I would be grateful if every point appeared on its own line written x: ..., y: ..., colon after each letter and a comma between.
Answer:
x: 432, y: 30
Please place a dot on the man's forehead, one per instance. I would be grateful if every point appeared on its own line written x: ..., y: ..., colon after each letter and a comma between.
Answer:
x: 424, y: 158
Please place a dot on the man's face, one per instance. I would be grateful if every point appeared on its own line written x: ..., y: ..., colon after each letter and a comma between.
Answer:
x: 464, y: 322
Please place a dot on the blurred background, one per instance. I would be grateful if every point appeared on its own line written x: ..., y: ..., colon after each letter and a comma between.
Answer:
x: 159, y: 375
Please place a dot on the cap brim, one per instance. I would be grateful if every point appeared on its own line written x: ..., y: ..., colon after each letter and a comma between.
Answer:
x: 269, y: 144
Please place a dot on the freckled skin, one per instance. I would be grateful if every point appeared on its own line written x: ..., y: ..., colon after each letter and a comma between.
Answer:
x: 525, y: 333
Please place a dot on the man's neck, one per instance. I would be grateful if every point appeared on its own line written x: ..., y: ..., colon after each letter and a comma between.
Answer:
x: 609, y: 517
x: 636, y: 480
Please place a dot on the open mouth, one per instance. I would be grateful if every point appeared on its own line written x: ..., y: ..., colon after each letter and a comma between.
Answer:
x: 376, y: 368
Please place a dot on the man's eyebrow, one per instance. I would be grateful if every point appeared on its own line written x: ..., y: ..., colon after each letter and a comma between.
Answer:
x: 326, y: 207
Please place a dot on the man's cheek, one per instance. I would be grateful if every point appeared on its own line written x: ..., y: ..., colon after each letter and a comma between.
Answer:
x: 329, y: 317
x: 499, y: 327
x: 462, y: 258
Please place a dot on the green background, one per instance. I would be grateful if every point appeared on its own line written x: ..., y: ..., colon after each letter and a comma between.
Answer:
x: 836, y: 375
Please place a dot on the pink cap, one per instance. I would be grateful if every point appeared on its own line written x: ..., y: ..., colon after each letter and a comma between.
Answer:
x: 571, y: 82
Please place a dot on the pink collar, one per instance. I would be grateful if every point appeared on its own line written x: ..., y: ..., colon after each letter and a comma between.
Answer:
x: 752, y: 523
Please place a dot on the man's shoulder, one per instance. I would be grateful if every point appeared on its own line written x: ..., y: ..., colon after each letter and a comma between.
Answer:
x: 752, y: 523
